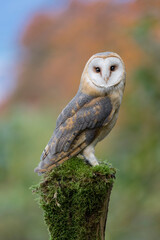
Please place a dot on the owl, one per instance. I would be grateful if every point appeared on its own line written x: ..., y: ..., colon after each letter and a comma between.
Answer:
x: 90, y: 115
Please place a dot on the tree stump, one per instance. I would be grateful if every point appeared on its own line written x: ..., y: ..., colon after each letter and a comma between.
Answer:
x: 75, y: 199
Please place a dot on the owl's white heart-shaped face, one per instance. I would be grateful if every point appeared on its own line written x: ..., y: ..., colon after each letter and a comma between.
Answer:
x: 104, y: 71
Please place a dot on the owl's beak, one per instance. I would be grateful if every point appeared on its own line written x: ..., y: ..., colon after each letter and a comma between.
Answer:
x: 106, y: 79
x: 105, y: 75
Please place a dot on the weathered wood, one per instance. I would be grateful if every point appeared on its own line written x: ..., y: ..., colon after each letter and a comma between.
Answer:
x: 101, y: 228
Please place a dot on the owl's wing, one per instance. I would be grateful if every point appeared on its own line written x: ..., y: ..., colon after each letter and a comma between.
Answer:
x: 73, y: 106
x: 76, y: 131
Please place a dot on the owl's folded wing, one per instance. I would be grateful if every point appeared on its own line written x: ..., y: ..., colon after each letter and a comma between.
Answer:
x: 76, y: 132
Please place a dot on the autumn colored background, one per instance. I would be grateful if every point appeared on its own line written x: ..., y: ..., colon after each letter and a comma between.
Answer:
x: 40, y: 70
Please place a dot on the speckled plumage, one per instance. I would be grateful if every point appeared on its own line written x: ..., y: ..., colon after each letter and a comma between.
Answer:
x: 86, y: 120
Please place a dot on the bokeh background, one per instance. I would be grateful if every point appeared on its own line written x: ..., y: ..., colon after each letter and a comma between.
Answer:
x: 44, y: 45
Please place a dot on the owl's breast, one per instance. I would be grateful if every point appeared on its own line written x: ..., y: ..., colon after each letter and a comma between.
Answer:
x: 105, y: 130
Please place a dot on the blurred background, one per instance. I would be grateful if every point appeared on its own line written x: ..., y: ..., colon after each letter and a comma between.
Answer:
x: 44, y: 45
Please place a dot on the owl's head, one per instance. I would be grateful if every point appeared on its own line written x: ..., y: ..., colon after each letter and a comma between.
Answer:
x: 102, y: 73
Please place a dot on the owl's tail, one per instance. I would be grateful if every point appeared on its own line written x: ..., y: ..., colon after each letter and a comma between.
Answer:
x: 42, y: 167
x: 48, y: 163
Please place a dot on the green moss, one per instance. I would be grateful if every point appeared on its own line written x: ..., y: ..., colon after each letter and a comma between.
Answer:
x: 72, y: 197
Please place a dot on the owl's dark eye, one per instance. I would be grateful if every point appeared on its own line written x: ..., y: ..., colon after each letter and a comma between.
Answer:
x: 97, y: 69
x: 112, y: 68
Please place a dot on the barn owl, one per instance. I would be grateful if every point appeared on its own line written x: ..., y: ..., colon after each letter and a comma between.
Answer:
x: 90, y: 115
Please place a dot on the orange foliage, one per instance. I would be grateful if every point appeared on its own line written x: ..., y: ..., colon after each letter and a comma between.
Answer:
x: 58, y: 46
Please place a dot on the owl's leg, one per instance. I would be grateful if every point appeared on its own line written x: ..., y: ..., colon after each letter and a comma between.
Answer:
x: 88, y: 154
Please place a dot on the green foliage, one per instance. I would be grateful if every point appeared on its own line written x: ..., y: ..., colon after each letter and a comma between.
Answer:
x: 144, y: 26
x: 72, y: 197
x: 20, y: 143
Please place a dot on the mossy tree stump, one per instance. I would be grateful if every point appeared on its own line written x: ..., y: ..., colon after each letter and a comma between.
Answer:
x: 75, y: 199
